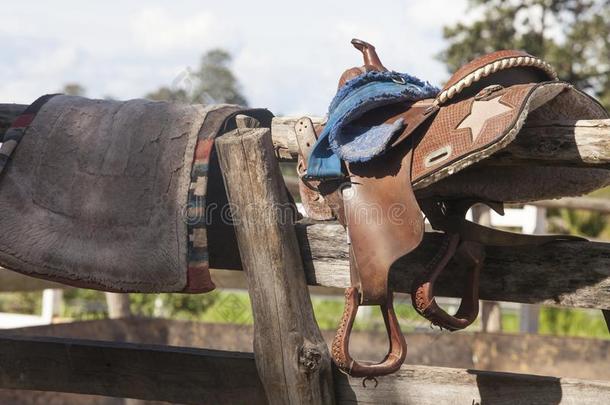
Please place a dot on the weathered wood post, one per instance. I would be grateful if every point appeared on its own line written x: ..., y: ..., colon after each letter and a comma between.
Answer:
x: 291, y: 356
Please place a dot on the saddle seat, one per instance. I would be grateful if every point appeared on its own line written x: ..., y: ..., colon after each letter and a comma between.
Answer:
x: 434, y: 167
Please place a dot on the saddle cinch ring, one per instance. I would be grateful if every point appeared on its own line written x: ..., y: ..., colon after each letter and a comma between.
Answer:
x: 340, y: 347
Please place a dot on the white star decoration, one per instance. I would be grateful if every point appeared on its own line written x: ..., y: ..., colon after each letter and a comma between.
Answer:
x: 481, y: 112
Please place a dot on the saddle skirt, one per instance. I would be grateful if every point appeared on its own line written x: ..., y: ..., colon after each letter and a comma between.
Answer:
x: 113, y: 195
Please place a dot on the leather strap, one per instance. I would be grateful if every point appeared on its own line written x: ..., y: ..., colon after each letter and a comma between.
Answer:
x: 467, y: 254
x: 313, y: 202
x: 384, y: 221
x: 464, y: 245
x: 449, y: 217
x: 494, y: 237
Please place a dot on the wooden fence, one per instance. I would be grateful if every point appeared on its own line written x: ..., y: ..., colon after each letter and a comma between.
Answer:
x: 291, y: 363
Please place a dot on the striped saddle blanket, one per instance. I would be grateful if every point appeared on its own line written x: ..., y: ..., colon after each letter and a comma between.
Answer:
x: 117, y: 196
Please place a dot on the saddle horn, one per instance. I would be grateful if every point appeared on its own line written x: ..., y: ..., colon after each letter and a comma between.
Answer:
x: 371, y: 62
x: 371, y: 59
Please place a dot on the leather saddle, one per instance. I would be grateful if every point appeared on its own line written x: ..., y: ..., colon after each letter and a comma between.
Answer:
x: 382, y: 202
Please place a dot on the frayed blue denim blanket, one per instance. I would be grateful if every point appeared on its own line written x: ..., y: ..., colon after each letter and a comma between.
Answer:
x: 342, y: 139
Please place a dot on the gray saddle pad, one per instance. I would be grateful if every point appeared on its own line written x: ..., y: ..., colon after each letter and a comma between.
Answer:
x: 95, y: 194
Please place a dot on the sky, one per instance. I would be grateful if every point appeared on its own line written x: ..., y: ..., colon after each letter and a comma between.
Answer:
x: 287, y: 56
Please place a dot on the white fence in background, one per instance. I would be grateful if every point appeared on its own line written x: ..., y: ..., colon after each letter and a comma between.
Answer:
x: 51, y: 306
x: 531, y: 220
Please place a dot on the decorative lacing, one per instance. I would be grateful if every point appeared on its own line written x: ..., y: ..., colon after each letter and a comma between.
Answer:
x: 494, y: 67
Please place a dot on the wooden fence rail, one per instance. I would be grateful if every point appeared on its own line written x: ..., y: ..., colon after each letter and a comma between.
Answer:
x: 569, y: 274
x: 600, y: 205
x: 160, y: 373
x: 570, y: 143
x: 196, y: 376
x: 582, y: 143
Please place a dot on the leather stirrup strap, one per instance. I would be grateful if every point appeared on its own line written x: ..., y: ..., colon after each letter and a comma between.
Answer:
x: 384, y: 223
x: 467, y: 254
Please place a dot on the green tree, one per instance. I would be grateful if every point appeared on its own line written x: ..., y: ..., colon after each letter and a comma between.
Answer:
x: 572, y: 35
x: 167, y: 94
x: 212, y: 82
x: 74, y: 89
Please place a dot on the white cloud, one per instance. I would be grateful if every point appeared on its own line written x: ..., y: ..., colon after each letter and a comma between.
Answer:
x: 287, y: 59
x: 50, y: 62
x: 157, y: 29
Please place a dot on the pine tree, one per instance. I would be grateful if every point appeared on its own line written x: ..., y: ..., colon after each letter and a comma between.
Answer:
x: 572, y: 35
x: 212, y: 83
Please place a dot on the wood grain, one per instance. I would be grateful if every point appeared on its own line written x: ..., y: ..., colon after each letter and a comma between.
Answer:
x: 195, y: 376
x: 570, y: 274
x: 423, y: 385
x: 191, y: 376
x: 583, y: 143
x: 565, y: 143
x: 291, y: 355
x: 560, y: 356
x: 567, y: 274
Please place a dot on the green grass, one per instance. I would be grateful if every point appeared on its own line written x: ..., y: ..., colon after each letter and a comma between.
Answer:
x: 223, y: 306
x: 21, y: 303
x: 510, y: 322
x: 572, y: 322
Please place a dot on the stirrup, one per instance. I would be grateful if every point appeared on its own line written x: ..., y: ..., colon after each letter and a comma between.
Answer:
x: 466, y: 253
x: 340, y: 347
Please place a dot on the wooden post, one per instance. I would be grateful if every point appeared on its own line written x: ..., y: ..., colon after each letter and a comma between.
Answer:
x: 291, y: 356
x: 118, y: 305
x: 52, y: 300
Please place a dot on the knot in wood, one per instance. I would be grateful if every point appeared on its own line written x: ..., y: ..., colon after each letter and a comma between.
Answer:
x: 309, y: 357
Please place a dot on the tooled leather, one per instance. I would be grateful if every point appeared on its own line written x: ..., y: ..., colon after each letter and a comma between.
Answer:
x: 443, y: 130
x: 340, y: 345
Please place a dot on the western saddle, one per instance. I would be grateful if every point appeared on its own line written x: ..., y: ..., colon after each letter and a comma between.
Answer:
x: 478, y: 112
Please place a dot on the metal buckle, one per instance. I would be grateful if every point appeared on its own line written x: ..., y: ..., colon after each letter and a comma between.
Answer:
x: 399, y: 80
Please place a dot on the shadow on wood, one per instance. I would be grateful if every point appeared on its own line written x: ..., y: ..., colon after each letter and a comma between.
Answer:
x: 208, y: 376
